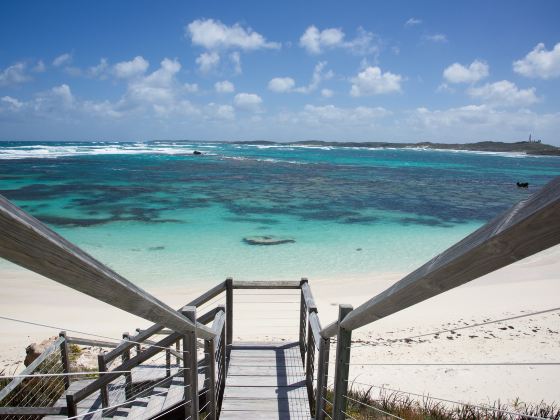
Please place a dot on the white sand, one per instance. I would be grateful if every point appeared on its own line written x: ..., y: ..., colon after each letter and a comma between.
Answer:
x: 527, y: 286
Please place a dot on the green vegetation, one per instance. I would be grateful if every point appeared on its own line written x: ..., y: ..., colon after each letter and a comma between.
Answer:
x: 362, y: 405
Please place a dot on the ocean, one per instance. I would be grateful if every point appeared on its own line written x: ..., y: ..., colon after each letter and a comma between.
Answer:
x: 162, y: 216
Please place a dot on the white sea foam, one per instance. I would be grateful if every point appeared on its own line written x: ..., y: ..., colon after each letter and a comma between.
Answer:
x: 99, y: 148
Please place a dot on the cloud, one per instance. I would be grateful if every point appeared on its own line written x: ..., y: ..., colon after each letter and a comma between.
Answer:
x: 281, y: 84
x: 338, y: 117
x: 14, y: 75
x: 213, y: 35
x: 327, y: 93
x: 372, y: 81
x: 504, y: 93
x: 224, y: 86
x: 133, y: 68
x: 457, y: 73
x: 287, y: 84
x: 315, y: 41
x: 248, y: 101
x: 540, y: 63
x: 478, y: 122
x: 13, y: 103
x: 40, y: 67
x: 412, y: 22
x: 235, y: 59
x: 62, y: 60
x: 436, y: 38
x: 207, y: 61
x: 220, y: 112
x: 99, y: 71
x: 190, y: 87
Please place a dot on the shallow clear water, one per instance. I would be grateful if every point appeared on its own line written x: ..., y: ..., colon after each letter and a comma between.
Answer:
x: 161, y: 216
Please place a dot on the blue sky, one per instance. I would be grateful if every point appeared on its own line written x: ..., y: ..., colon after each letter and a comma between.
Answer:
x: 366, y: 71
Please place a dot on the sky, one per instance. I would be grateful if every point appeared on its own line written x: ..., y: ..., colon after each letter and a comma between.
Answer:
x: 404, y: 71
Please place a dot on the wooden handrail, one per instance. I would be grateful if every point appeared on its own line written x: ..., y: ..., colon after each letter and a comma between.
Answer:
x: 156, y: 328
x: 87, y: 342
x: 530, y: 226
x: 308, y: 297
x: 237, y: 284
x: 28, y: 242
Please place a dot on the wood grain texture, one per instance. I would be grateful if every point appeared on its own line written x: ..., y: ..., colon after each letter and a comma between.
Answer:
x: 265, y: 380
x: 530, y: 226
x: 28, y: 242
x: 237, y: 284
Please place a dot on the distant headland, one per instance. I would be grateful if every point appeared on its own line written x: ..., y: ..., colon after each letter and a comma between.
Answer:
x: 528, y: 147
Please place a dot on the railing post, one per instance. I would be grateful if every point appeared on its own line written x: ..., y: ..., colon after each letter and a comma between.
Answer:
x: 127, y: 376
x: 310, y: 361
x: 229, y: 312
x: 104, y: 391
x: 302, y: 322
x: 177, y: 350
x: 190, y: 364
x: 343, y: 343
x: 210, y: 377
x: 223, y: 364
x: 65, y: 359
x: 71, y: 406
x: 322, y: 375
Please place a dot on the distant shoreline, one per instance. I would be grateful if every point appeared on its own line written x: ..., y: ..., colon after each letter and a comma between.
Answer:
x: 529, y: 148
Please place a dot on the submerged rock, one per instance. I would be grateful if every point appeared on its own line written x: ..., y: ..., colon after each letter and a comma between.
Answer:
x: 196, y: 152
x: 267, y: 240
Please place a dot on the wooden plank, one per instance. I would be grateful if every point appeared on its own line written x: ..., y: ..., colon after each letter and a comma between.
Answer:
x: 256, y: 380
x: 37, y: 411
x: 229, y: 312
x: 315, y: 326
x: 308, y: 296
x: 266, y: 392
x: 145, y: 334
x: 256, y: 415
x: 279, y: 371
x: 31, y: 244
x: 296, y: 406
x: 87, y: 342
x: 530, y: 226
x: 342, y: 365
x: 237, y: 284
x: 29, y: 369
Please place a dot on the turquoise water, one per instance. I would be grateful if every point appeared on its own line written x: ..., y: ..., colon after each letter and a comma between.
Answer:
x: 161, y: 216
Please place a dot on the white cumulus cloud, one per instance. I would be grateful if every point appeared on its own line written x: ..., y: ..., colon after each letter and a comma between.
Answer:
x: 372, y: 81
x: 213, y: 34
x: 316, y: 41
x: 327, y: 93
x: 504, y: 93
x: 14, y: 74
x: 540, y: 63
x: 248, y: 101
x: 225, y: 86
x: 457, y: 73
x: 135, y: 67
x: 62, y: 59
x: 281, y: 84
x: 207, y: 61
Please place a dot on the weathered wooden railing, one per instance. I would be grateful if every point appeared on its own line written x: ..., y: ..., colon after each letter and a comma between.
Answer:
x: 530, y: 226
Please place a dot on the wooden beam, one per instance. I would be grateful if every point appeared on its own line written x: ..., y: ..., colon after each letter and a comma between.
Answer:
x: 28, y: 242
x: 237, y: 284
x: 530, y: 226
x: 342, y: 365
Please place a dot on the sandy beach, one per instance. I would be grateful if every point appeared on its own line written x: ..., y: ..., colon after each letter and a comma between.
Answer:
x: 413, y: 365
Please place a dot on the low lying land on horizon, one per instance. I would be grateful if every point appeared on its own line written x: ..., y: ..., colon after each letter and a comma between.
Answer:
x: 530, y: 148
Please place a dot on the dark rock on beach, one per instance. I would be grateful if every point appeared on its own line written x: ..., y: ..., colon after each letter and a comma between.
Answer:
x: 267, y: 240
